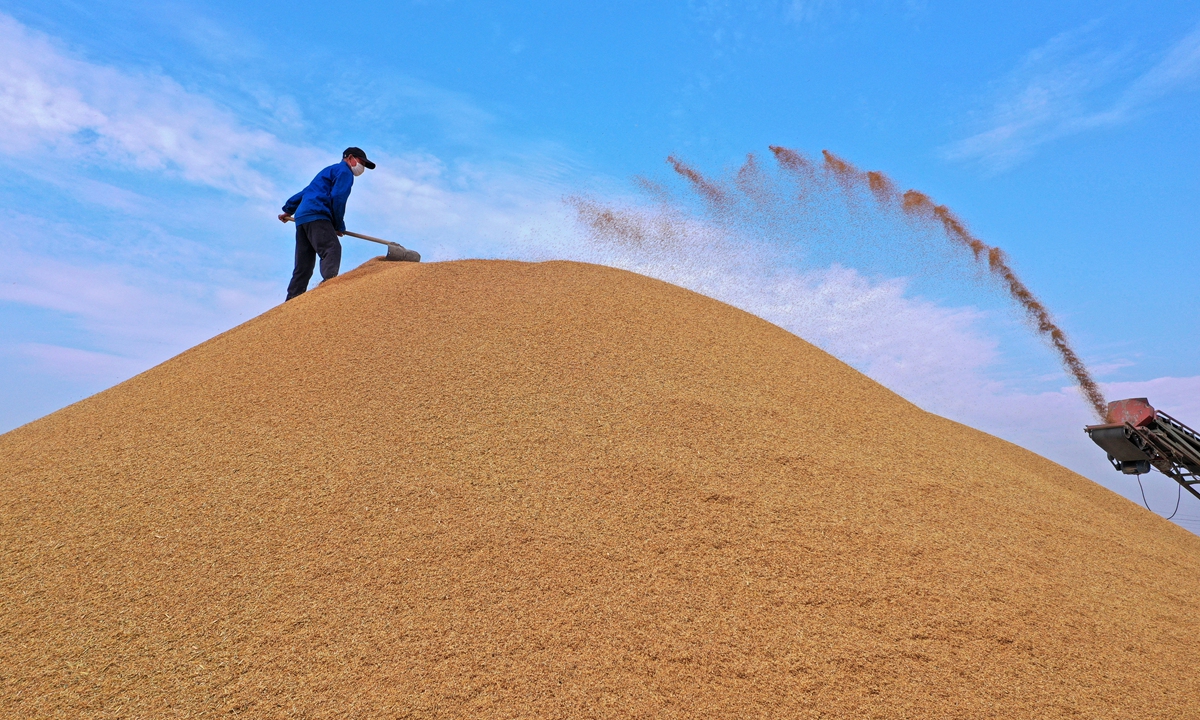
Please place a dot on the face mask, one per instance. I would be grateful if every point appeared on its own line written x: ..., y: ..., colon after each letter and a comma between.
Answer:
x: 358, y: 169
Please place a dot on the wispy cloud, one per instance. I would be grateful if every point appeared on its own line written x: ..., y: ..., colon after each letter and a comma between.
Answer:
x: 823, y: 12
x: 52, y: 99
x: 120, y: 310
x: 59, y: 360
x: 83, y: 111
x: 807, y: 11
x: 1066, y: 88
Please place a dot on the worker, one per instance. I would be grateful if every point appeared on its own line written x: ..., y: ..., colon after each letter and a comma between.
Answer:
x: 319, y: 211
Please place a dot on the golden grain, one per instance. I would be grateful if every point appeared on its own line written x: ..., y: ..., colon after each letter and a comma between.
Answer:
x: 496, y: 489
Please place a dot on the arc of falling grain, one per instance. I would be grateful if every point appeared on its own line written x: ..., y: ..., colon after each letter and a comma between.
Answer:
x: 919, y: 205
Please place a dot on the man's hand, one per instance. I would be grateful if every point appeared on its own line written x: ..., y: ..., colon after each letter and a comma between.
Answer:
x: 284, y: 217
x: 341, y: 234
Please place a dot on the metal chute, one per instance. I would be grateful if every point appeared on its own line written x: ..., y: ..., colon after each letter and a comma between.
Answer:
x: 1138, y: 437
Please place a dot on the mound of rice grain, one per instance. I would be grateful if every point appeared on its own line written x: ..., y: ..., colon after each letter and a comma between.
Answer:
x: 495, y: 489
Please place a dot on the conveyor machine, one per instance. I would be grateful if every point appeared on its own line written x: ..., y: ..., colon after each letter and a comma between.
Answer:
x: 1137, y: 437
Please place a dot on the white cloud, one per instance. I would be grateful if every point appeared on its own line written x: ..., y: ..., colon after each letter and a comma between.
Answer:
x: 51, y: 99
x: 465, y: 210
x: 145, y: 121
x: 76, y: 363
x: 129, y: 313
x: 807, y: 11
x: 60, y: 286
x: 1061, y: 89
x: 1179, y: 69
x: 822, y: 12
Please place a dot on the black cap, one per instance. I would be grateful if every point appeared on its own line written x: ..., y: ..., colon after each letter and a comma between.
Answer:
x: 358, y: 153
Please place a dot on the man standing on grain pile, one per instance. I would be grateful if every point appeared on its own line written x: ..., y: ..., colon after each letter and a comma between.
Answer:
x: 319, y: 211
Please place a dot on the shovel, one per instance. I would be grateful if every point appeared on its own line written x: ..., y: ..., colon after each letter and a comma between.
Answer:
x: 395, y: 251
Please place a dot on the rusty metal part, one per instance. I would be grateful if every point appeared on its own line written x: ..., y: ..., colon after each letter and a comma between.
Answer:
x: 1135, y: 411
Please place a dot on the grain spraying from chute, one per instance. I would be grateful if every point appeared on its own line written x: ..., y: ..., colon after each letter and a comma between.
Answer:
x: 754, y: 202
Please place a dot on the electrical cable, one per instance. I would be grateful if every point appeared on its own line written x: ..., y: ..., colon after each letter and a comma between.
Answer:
x: 1178, y: 497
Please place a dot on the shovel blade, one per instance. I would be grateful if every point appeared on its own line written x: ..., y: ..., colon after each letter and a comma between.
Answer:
x: 402, y: 254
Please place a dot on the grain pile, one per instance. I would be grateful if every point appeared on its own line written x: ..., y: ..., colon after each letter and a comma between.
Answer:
x: 491, y: 489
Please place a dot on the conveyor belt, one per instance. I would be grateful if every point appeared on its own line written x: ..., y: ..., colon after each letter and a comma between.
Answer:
x: 1161, y: 442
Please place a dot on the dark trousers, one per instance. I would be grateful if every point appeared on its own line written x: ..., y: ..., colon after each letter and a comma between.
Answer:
x: 312, y: 239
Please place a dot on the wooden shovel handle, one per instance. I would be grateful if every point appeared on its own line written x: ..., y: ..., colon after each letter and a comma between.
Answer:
x: 289, y: 218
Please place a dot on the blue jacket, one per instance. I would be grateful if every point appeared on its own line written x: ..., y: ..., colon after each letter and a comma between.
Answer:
x: 324, y: 198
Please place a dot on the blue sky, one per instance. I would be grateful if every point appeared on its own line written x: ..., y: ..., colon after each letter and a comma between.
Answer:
x: 145, y: 148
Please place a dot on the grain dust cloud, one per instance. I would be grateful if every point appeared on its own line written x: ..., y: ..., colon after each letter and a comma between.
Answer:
x: 827, y: 211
